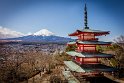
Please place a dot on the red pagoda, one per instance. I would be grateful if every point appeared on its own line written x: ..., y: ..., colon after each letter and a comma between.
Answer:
x: 85, y: 58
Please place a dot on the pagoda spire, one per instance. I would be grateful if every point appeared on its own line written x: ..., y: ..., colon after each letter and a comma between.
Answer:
x: 85, y: 17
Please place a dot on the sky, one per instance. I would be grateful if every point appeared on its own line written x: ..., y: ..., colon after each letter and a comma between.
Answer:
x: 63, y: 16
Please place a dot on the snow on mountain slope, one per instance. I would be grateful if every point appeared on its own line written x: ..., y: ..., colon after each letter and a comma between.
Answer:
x: 7, y: 33
x: 43, y: 32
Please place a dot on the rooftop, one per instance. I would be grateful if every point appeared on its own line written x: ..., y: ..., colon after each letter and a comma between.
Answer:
x: 86, y: 54
x: 90, y: 42
x: 88, y: 67
x: 95, y: 32
x: 73, y: 66
x: 97, y: 67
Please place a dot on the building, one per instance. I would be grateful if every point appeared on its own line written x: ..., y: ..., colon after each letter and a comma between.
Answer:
x: 85, y: 58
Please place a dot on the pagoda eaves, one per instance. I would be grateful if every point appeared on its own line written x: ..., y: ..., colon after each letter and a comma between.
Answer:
x: 89, y: 43
x: 88, y: 69
x: 85, y: 54
x: 90, y: 31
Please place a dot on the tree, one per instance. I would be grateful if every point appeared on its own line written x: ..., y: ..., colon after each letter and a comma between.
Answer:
x: 99, y: 48
x: 71, y: 48
x: 119, y: 51
x: 120, y: 41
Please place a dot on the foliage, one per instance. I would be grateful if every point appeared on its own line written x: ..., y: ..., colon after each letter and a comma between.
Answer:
x: 114, y: 62
x: 118, y: 50
x: 71, y: 48
x: 19, y: 61
x: 61, y: 57
x: 99, y: 48
x: 120, y: 41
x: 113, y: 47
x: 57, y: 79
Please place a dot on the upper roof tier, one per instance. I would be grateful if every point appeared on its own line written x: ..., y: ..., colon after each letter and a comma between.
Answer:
x: 84, y: 31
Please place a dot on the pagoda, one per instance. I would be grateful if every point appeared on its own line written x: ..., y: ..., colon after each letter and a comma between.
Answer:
x: 86, y: 60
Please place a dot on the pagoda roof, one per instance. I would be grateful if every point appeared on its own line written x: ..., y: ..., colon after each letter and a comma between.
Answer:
x: 89, y: 55
x: 96, y: 32
x: 72, y: 42
x: 73, y: 66
x: 94, y: 42
x: 97, y: 68
x: 88, y: 67
x: 90, y: 42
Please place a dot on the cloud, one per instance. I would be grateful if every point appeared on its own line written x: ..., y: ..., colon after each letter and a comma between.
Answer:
x: 7, y: 33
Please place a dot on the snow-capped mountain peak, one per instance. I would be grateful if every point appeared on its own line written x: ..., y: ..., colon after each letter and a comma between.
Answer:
x: 43, y: 32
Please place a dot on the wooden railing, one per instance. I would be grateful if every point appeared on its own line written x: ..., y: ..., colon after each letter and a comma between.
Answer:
x: 92, y: 51
x: 88, y: 39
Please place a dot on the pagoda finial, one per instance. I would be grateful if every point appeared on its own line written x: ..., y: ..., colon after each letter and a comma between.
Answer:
x: 85, y: 17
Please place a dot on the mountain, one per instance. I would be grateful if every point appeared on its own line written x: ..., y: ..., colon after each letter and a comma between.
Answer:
x: 7, y: 33
x: 43, y: 32
x: 42, y: 35
x: 34, y: 38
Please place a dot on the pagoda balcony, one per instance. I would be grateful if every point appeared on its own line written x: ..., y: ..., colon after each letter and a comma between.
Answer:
x: 78, y: 50
x: 85, y: 63
x: 89, y: 39
x: 89, y: 51
x: 79, y: 62
x: 89, y: 55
